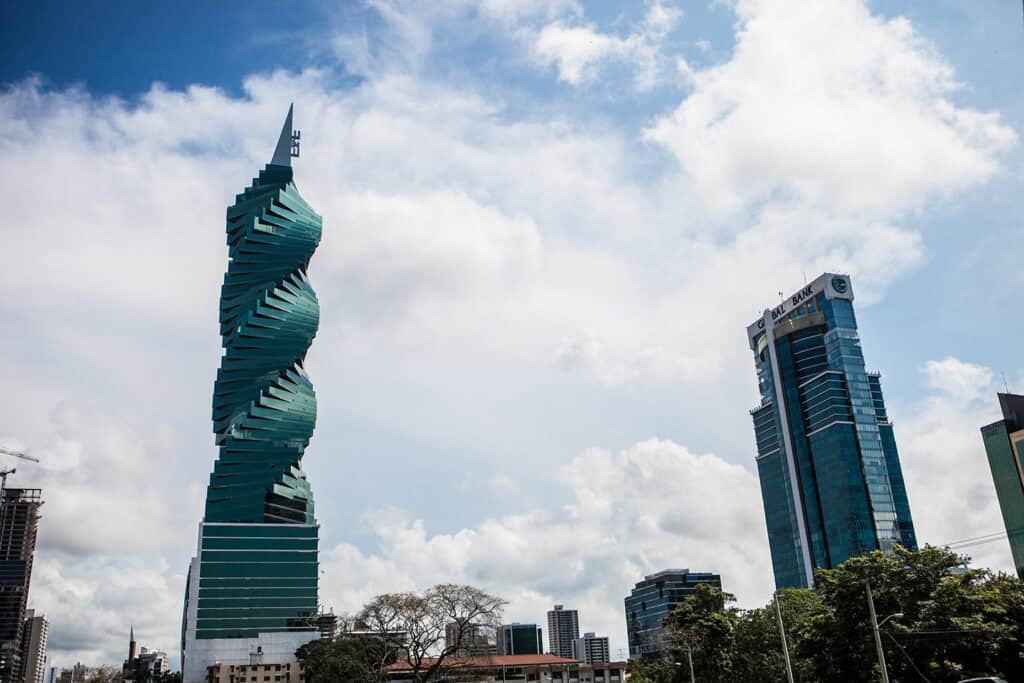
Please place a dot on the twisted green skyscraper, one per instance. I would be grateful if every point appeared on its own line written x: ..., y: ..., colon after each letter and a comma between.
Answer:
x: 264, y: 408
x: 253, y: 583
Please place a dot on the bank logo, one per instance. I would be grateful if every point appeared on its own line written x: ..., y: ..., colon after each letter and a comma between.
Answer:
x: 839, y: 284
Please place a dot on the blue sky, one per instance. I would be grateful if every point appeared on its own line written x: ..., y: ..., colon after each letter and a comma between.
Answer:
x: 547, y: 224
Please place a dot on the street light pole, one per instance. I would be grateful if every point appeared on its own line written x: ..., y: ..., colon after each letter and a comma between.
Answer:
x: 875, y: 631
x: 785, y: 645
x: 689, y: 657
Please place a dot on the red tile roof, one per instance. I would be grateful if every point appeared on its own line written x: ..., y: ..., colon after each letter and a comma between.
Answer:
x: 490, y: 662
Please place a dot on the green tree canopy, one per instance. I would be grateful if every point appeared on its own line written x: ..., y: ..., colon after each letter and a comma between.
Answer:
x: 956, y: 623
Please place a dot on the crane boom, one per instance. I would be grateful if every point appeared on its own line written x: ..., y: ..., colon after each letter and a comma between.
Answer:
x: 18, y: 454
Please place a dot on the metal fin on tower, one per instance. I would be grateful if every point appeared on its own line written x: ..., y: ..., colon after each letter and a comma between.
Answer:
x: 287, y: 146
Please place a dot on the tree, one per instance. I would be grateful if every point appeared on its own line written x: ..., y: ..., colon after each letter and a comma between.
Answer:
x: 411, y: 626
x: 702, y: 626
x: 101, y: 674
x: 657, y: 671
x: 956, y: 623
x: 757, y: 643
x: 347, y: 657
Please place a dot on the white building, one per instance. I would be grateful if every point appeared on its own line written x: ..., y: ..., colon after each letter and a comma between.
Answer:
x: 33, y: 646
x: 591, y: 649
x: 563, y: 629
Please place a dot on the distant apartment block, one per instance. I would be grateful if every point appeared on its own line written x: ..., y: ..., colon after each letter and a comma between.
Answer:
x: 591, y: 649
x: 1004, y: 445
x: 33, y: 647
x: 563, y: 630
x: 650, y: 602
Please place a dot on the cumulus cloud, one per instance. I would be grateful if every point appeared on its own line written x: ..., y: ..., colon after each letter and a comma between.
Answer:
x: 626, y: 514
x: 948, y: 479
x: 833, y: 105
x: 577, y: 50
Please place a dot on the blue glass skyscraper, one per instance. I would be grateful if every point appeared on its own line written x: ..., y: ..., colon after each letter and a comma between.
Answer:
x: 830, y: 474
x: 650, y: 602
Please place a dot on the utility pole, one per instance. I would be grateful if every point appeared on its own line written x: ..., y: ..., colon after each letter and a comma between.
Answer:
x: 878, y: 635
x: 689, y: 658
x: 782, y: 632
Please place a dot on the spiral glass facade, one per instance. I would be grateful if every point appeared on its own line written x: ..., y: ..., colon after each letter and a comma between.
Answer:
x: 256, y: 570
x: 830, y: 474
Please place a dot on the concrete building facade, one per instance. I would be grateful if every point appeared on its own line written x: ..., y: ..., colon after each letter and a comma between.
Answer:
x: 563, y: 630
x: 33, y: 647
x: 591, y: 649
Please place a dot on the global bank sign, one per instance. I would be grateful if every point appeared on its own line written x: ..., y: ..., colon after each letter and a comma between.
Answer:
x: 833, y: 285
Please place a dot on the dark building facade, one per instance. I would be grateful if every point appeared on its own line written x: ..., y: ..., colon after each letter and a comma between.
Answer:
x: 520, y: 639
x: 1004, y: 446
x: 830, y: 474
x: 650, y: 602
x: 563, y: 630
x: 19, y: 524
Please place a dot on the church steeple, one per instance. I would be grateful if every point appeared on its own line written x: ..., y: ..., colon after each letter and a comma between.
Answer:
x: 131, y: 645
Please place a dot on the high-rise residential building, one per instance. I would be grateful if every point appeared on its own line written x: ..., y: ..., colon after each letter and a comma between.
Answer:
x: 830, y: 474
x: 520, y: 639
x: 563, y: 629
x: 33, y: 647
x: 591, y: 649
x: 650, y: 602
x: 19, y: 524
x: 253, y: 582
x: 1004, y: 445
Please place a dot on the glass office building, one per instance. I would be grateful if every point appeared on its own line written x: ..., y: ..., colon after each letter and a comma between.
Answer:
x: 254, y: 580
x: 1004, y: 445
x: 520, y: 639
x: 830, y: 474
x: 650, y: 602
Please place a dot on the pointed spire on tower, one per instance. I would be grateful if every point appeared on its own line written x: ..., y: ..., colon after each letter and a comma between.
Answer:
x: 283, y: 151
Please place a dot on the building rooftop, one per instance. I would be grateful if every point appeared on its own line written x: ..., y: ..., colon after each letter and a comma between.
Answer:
x: 490, y: 662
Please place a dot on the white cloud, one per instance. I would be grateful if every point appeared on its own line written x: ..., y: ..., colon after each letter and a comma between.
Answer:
x: 961, y: 382
x: 627, y: 514
x: 832, y: 105
x: 579, y: 49
x: 949, y: 483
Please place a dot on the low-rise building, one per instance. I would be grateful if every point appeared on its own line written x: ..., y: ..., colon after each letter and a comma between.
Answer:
x: 513, y: 668
x: 283, y: 672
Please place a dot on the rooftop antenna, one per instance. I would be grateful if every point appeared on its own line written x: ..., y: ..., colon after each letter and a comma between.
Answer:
x: 288, y: 143
x: 1006, y: 386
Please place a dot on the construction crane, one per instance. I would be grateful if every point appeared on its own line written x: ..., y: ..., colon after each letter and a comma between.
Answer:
x: 5, y: 471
